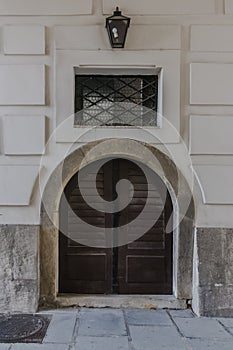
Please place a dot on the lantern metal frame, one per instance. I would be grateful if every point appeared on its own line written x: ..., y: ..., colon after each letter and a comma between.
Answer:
x: 117, y: 27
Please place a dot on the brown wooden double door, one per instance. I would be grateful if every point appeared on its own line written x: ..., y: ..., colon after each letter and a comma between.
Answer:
x: 141, y: 267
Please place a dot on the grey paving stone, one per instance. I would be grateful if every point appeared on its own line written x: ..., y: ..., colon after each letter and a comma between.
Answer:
x: 40, y: 347
x: 148, y: 317
x: 101, y: 322
x: 5, y: 346
x: 227, y: 322
x: 202, y: 328
x: 61, y: 329
x: 182, y: 313
x: 100, y: 343
x: 197, y: 344
x: 156, y: 338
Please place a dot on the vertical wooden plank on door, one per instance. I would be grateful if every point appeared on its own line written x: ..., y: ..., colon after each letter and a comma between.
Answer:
x: 145, y: 265
x: 84, y: 269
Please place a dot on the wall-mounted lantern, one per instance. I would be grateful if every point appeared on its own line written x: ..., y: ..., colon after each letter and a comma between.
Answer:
x: 117, y: 26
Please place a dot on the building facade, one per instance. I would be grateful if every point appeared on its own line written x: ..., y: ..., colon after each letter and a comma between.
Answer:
x: 164, y: 102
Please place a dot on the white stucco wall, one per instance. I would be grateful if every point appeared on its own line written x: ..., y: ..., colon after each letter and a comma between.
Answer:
x: 190, y: 40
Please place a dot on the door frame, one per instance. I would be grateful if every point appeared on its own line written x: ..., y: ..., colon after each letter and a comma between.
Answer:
x: 183, y: 233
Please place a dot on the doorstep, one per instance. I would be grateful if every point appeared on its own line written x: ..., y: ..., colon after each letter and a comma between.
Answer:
x: 122, y: 301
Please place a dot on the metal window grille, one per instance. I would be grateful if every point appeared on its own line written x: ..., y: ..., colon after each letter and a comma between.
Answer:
x: 114, y: 100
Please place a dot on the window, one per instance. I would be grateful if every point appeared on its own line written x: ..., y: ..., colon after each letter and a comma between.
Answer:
x: 116, y: 100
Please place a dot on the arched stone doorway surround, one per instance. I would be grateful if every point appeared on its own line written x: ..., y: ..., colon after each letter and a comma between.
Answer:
x: 125, y: 148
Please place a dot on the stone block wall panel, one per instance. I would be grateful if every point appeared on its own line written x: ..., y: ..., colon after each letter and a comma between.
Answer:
x: 229, y: 7
x: 45, y: 7
x: 219, y: 130
x: 19, y: 268
x: 215, y: 251
x: 23, y: 84
x: 24, y: 40
x: 211, y: 84
x: 215, y: 38
x: 161, y: 7
x: 17, y: 183
x: 216, y: 183
x: 24, y: 135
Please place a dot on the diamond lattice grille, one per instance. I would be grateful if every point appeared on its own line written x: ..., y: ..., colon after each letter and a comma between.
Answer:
x: 116, y: 100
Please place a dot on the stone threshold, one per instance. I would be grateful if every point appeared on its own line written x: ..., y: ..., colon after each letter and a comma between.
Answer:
x: 122, y: 301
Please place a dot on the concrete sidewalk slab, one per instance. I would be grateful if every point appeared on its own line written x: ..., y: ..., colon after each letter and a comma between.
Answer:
x: 5, y: 346
x: 102, y: 322
x: 227, y: 322
x: 148, y: 317
x: 131, y: 329
x: 156, y: 338
x: 197, y: 344
x: 100, y: 343
x: 61, y: 328
x: 202, y: 328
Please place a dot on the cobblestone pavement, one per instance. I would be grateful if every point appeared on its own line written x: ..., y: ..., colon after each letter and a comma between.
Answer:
x: 111, y: 329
